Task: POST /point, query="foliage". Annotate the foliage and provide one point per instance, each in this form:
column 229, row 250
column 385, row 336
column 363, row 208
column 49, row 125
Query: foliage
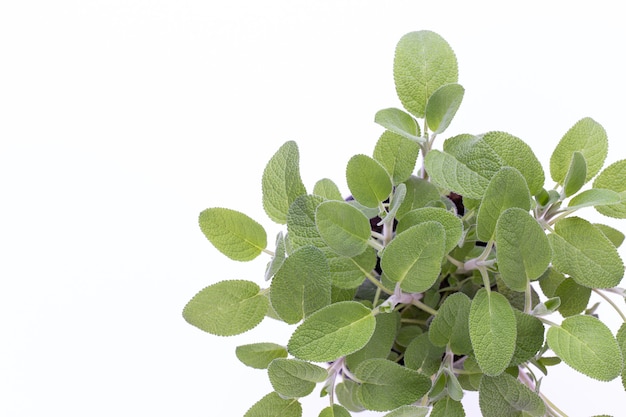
column 424, row 283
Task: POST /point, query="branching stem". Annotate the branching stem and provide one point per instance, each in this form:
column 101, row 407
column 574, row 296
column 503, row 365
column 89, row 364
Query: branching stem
column 608, row 300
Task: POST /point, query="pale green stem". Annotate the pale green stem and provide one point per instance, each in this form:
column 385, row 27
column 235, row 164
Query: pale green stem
column 424, row 307
column 485, row 275
column 269, row 252
column 377, row 296
column 375, row 244
column 608, row 300
column 528, row 299
column 551, row 405
column 378, row 284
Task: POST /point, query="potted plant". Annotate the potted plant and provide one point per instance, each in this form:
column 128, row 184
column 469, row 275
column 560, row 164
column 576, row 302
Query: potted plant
column 446, row 270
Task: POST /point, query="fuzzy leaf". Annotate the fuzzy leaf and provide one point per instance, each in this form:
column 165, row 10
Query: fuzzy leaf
column 450, row 325
column 328, row 189
column 293, row 378
column 409, row 411
column 447, row 407
column 612, row 178
column 506, row 189
column 367, row 180
column 587, row 137
column 227, row 308
column 279, row 257
column 334, row 331
column 451, row 174
column 583, row 252
column 621, row 340
column 423, row 62
column 419, row 193
column 493, row 331
column 399, row 122
column 272, row 405
column 343, row 227
column 615, row 236
column 301, row 227
column 523, row 251
column 233, row 233
column 587, row 345
column 574, row 297
column 530, row 337
column 346, row 393
column 442, row 105
column 397, row 155
column 576, row 174
column 259, row 355
column 503, row 395
column 386, row 385
column 594, row 197
column 451, row 223
column 381, row 342
column 421, row 355
column 334, row 411
column 413, row 258
column 302, row 286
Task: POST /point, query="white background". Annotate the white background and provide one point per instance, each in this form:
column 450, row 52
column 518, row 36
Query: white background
column 121, row 120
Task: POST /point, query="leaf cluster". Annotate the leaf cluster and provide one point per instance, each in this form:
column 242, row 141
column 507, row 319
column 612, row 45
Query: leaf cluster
column 441, row 273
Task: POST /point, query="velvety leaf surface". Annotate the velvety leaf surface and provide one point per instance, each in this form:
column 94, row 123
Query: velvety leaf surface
column 447, row 407
column 530, row 337
column 381, row 342
column 594, row 197
column 442, row 105
column 272, row 405
column 504, row 395
column 421, row 355
column 612, row 178
column 327, row 189
column 293, row 378
column 399, row 122
column 409, row 411
column 397, row 155
column 576, row 174
column 451, row 223
column 335, row 411
column 367, row 180
column 259, row 355
column 454, row 175
column 343, row 227
column 233, row 233
column 451, row 324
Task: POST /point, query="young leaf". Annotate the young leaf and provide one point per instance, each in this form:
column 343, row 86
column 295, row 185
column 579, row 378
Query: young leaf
column 594, row 197
column 346, row 393
column 273, row 405
column 302, row 286
column 419, row 193
column 451, row 223
column 301, row 227
column 421, row 355
column 503, row 395
column 279, row 257
column 453, row 175
column 293, row 378
column 615, row 236
column 380, row 343
column 227, row 308
column 450, row 325
column 367, row 180
column 442, row 105
column 493, row 331
column 583, row 252
column 386, row 385
column 576, row 174
column 400, row 123
column 409, row 411
column 587, row 345
column 348, row 272
column 413, row 258
column 423, row 62
column 399, row 194
column 281, row 182
column 334, row 331
column 343, row 227
column 587, row 137
column 530, row 337
column 259, row 355
column 507, row 188
column 523, row 250
column 397, row 155
column 328, row 189
column 447, row 407
column 233, row 233
column 612, row 178
column 574, row 297
column 334, row 411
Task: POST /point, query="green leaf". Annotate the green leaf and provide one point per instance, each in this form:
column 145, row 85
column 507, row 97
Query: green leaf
column 327, row 189
column 421, row 355
column 413, row 258
column 453, row 175
column 574, row 297
column 587, row 345
column 301, row 227
column 385, row 385
column 419, row 193
column 279, row 257
column 550, row 281
column 587, row 137
column 621, row 340
column 504, row 395
column 381, row 342
column 227, row 308
column 395, row 203
column 530, row 337
column 450, row 325
column 523, row 251
column 447, row 407
column 272, row 405
column 576, row 174
column 334, row 411
column 343, row 227
column 506, row 189
column 409, row 411
column 397, row 155
column 612, row 178
column 348, row 272
column 451, row 223
column 281, row 182
column 259, row 355
column 346, row 393
column 400, row 123
column 334, row 331
column 423, row 62
column 615, row 236
column 493, row 331
column 442, row 105
column 233, row 233
column 367, row 180
column 302, row 286
column 594, row 197
column 293, row 378
column 583, row 252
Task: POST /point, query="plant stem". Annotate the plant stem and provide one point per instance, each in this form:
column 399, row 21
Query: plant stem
column 528, row 299
column 608, row 300
column 424, row 307
column 269, row 252
column 378, row 284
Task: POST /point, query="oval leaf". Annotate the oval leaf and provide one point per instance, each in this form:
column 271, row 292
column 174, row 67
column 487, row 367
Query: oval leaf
column 503, row 395
column 327, row 189
column 343, row 227
column 399, row 122
column 442, row 105
column 576, row 174
column 493, row 331
column 293, row 378
column 233, row 233
column 453, row 175
column 367, row 180
column 451, row 223
column 397, row 155
column 227, row 308
column 273, row 405
column 450, row 325
column 612, row 178
column 594, row 197
column 259, row 355
column 334, row 331
column 587, row 345
column 334, row 411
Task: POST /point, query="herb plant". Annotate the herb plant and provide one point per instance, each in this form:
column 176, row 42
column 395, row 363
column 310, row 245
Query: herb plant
column 425, row 281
